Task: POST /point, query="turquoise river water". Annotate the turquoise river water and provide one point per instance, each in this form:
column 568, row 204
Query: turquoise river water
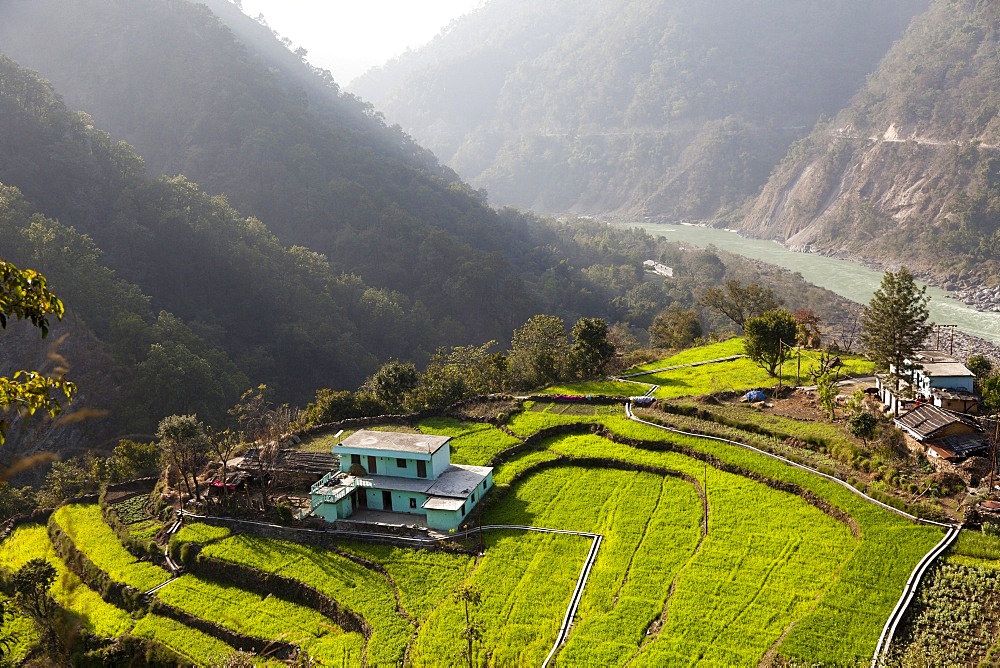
column 848, row 279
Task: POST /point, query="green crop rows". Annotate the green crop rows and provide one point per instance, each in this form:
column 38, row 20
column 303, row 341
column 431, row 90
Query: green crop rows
column 471, row 443
column 526, row 581
column 86, row 528
column 32, row 542
column 195, row 646
column 270, row 617
column 364, row 591
column 766, row 576
column 651, row 526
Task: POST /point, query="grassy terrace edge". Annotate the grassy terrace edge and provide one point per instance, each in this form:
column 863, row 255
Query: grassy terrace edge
column 869, row 586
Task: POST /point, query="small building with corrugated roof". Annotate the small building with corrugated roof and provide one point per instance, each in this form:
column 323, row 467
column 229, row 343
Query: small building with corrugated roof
column 945, row 434
column 400, row 472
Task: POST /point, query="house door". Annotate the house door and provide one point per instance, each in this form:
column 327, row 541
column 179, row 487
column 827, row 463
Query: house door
column 421, row 468
column 371, row 465
column 359, row 499
column 387, row 500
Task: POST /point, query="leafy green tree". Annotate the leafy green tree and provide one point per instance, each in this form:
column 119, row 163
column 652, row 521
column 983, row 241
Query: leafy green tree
column 863, row 425
column 826, row 390
column 539, row 351
column 329, row 406
column 768, row 338
column 460, row 373
column 894, row 325
column 980, row 366
column 133, row 459
column 740, row 302
column 15, row 500
column 392, row 383
column 185, row 446
column 24, row 296
column 30, row 585
column 591, row 350
column 70, row 478
column 675, row 328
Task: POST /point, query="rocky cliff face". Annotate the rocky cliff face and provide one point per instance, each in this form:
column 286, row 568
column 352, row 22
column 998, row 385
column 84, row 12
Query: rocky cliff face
column 910, row 171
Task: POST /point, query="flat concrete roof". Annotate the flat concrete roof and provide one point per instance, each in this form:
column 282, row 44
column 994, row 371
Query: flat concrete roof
column 439, row 503
column 459, row 480
column 394, row 441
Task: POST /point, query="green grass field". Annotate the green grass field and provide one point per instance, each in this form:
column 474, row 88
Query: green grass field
column 197, row 647
column 100, row 618
column 366, row 592
column 471, row 442
column 270, row 618
column 86, row 528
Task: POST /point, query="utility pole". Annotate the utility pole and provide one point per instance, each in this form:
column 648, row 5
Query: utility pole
column 937, row 339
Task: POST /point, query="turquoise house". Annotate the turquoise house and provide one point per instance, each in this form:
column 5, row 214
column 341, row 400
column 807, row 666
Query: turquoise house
column 400, row 473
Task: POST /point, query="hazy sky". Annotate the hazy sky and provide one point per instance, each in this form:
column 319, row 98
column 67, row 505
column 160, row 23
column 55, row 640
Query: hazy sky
column 348, row 37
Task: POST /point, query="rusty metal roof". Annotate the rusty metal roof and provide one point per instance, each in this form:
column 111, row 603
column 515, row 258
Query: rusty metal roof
column 926, row 420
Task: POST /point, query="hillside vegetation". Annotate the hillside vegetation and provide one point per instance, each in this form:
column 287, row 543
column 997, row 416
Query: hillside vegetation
column 910, row 170
column 645, row 107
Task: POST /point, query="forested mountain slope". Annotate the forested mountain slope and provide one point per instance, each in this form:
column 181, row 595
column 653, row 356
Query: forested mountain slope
column 910, row 170
column 666, row 108
column 178, row 302
column 320, row 169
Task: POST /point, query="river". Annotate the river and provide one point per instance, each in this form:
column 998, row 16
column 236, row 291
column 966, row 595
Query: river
column 848, row 279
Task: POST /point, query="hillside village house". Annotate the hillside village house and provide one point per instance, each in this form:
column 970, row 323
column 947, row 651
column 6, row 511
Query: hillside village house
column 942, row 380
column 400, row 473
column 945, row 434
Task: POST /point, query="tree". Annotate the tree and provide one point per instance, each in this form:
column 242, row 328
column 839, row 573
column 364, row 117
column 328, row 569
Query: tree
column 768, row 338
column 472, row 631
column 863, row 425
column 25, row 296
column 675, row 327
column 392, row 383
column 808, row 323
column 894, row 325
column 185, row 446
column 223, row 446
column 980, row 366
column 826, row 390
column 740, row 302
column 133, row 459
column 460, row 373
column 539, row 351
column 30, row 586
column 591, row 350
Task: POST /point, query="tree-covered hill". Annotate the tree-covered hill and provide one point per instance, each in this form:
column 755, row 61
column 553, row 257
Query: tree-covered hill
column 673, row 108
column 910, row 170
column 318, row 167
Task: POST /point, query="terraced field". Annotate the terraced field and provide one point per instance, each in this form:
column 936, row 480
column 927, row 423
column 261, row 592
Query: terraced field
column 712, row 555
column 31, row 541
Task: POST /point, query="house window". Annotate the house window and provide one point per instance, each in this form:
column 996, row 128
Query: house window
column 356, row 459
column 400, row 463
column 413, row 503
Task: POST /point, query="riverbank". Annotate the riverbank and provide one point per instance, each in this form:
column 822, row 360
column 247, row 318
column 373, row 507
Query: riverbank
column 856, row 281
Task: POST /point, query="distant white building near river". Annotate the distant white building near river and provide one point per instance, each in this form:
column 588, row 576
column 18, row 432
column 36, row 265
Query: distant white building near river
column 658, row 268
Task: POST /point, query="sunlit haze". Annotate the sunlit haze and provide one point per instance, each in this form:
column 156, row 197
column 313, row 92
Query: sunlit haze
column 348, row 38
